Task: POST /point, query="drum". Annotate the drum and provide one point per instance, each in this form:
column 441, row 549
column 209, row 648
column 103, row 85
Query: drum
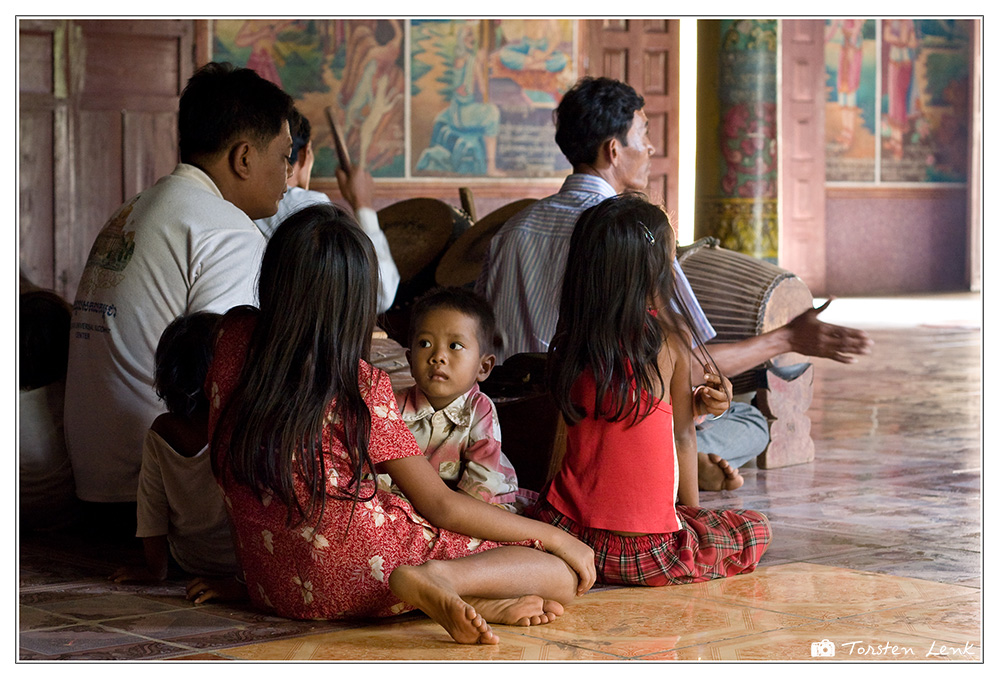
column 534, row 432
column 743, row 296
column 463, row 261
column 390, row 356
column 418, row 230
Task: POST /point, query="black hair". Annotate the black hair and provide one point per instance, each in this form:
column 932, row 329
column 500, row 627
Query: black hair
column 182, row 358
column 466, row 301
column 317, row 289
column 301, row 131
column 44, row 320
column 592, row 112
column 221, row 103
column 620, row 260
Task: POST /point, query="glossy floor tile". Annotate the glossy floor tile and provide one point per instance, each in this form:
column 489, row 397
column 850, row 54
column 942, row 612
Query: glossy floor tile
column 877, row 552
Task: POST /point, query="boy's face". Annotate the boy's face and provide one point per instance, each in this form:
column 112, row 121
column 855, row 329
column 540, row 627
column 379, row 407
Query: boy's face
column 445, row 359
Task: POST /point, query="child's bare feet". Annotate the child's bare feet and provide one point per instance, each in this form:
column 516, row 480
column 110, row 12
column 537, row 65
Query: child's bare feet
column 529, row 610
column 435, row 597
column 716, row 474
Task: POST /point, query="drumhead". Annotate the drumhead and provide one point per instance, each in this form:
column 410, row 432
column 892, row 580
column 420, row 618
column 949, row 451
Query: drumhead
column 462, row 262
column 418, row 230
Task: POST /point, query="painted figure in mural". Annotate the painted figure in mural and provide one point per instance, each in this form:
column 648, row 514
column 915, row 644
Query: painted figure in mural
column 901, row 38
column 535, row 47
column 372, row 86
column 848, row 74
column 261, row 37
column 464, row 137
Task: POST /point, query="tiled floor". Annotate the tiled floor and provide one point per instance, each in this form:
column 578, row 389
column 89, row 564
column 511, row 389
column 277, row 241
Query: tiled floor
column 877, row 548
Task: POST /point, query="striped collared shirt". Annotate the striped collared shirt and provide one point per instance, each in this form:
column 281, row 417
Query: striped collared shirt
column 523, row 272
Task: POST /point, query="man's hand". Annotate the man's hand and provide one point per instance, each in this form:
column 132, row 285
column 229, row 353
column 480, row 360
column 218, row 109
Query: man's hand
column 816, row 338
column 357, row 187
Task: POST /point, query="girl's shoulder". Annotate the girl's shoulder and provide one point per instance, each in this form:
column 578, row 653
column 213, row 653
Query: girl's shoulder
column 239, row 321
column 184, row 435
column 675, row 349
column 373, row 380
column 242, row 315
column 680, row 338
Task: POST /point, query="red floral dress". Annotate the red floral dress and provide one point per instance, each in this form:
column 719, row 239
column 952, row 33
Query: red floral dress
column 321, row 572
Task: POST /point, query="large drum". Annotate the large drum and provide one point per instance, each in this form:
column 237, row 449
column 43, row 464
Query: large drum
column 743, row 296
column 418, row 230
column 534, row 432
column 463, row 261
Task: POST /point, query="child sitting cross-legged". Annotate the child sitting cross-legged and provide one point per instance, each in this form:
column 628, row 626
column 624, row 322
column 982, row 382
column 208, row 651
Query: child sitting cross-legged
column 180, row 511
column 620, row 372
column 452, row 342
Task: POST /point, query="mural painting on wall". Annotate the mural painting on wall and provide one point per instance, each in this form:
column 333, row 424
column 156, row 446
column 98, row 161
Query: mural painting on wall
column 925, row 100
column 354, row 66
column 850, row 105
column 920, row 118
column 482, row 96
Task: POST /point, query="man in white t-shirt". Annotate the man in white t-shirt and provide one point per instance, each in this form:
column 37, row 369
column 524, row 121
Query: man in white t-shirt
column 356, row 187
column 186, row 244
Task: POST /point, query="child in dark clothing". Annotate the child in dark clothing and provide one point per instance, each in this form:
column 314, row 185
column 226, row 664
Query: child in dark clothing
column 180, row 509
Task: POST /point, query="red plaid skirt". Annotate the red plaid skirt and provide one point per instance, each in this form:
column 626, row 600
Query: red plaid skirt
column 710, row 544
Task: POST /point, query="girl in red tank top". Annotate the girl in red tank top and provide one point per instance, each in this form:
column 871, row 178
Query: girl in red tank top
column 620, row 372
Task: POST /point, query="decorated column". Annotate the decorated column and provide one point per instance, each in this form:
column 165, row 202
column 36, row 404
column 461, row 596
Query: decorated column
column 737, row 154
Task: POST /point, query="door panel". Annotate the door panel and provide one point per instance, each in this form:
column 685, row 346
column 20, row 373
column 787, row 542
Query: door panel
column 643, row 53
column 802, row 192
column 98, row 117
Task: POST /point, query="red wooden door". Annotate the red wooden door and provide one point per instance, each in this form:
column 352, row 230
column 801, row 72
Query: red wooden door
column 644, row 53
column 98, row 120
column 42, row 145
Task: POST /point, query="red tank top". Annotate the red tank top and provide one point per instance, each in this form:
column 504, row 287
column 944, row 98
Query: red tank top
column 618, row 476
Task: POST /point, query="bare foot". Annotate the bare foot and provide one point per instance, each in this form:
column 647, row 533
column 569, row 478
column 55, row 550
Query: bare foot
column 529, row 610
column 716, row 474
column 435, row 597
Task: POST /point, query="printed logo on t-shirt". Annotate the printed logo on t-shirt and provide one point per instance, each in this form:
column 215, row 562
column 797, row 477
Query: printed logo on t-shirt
column 111, row 253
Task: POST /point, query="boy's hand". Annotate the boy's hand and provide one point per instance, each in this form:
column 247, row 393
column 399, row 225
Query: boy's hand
column 203, row 589
column 713, row 397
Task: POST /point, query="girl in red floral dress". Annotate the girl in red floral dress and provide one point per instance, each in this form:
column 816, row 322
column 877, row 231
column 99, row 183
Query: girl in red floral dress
column 301, row 423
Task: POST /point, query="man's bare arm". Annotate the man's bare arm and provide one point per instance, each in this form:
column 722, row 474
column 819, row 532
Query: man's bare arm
column 804, row 334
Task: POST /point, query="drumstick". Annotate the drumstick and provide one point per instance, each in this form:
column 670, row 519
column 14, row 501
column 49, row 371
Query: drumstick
column 338, row 141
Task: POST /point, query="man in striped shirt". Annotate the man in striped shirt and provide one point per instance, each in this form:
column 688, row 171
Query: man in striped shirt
column 603, row 132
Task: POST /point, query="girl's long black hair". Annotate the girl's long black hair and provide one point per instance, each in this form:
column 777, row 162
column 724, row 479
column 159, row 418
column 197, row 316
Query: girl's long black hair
column 317, row 295
column 619, row 262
